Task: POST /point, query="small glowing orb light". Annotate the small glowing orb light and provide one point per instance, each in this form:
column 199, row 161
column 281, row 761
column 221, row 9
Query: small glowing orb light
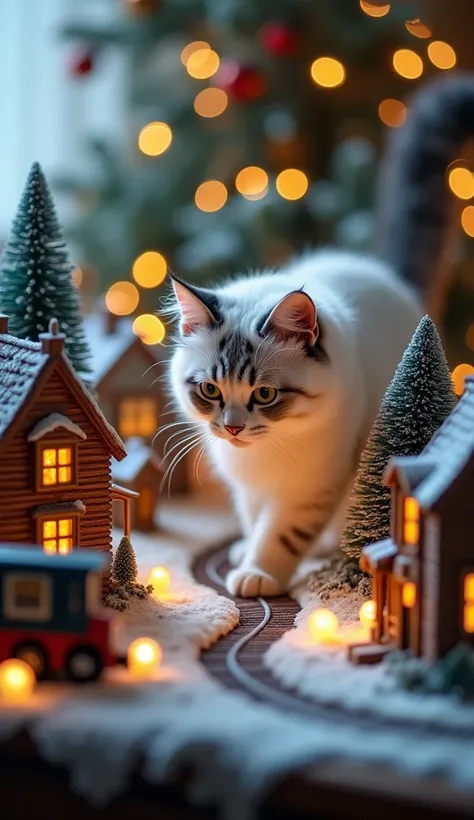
column 149, row 269
column 292, row 183
column 328, row 72
column 392, row 113
column 149, row 328
column 442, row 55
column 323, row 625
column 122, row 298
column 367, row 614
column 461, row 182
column 374, row 9
column 17, row 680
column 155, row 138
column 196, row 45
column 160, row 579
column 202, row 64
column 459, row 375
column 467, row 221
column 210, row 102
column 408, row 63
column 211, row 196
column 144, row 657
column 418, row 29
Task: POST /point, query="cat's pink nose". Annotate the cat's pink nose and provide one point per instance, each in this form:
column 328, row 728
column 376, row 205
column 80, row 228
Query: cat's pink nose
column 234, row 431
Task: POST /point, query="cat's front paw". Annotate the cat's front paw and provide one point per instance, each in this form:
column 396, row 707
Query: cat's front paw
column 237, row 551
column 251, row 582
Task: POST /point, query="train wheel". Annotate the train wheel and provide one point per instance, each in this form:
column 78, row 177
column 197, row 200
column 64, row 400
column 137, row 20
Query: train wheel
column 34, row 655
column 83, row 664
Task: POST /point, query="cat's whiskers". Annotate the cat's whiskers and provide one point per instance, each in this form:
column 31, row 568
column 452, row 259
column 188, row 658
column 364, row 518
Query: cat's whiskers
column 187, row 448
column 180, row 442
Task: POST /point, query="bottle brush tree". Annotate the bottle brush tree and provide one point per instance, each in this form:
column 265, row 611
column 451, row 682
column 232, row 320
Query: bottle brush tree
column 124, row 567
column 35, row 276
column 416, row 403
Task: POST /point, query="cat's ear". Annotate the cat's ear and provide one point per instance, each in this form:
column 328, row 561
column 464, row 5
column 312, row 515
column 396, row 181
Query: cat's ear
column 294, row 315
column 198, row 307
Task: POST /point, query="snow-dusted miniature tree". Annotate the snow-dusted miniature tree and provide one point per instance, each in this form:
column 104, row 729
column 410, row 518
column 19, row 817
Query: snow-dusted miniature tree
column 35, row 277
column 416, row 403
column 124, row 567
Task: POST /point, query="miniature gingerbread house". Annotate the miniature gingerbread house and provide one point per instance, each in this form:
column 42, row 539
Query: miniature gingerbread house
column 55, row 450
column 128, row 383
column 423, row 576
column 140, row 472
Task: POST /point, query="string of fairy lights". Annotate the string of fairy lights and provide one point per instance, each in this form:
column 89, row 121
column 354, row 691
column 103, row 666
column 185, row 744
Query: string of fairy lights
column 202, row 63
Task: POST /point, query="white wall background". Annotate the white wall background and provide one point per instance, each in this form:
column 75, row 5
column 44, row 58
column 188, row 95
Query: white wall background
column 44, row 112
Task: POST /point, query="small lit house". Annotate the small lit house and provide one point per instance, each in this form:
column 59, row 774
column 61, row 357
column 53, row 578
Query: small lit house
column 423, row 576
column 55, row 450
column 128, row 382
column 140, row 472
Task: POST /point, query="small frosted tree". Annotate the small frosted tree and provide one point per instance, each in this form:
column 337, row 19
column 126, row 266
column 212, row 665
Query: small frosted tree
column 35, row 277
column 124, row 567
column 416, row 403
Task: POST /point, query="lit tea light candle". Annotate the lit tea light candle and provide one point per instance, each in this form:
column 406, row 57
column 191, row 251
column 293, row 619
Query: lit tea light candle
column 17, row 680
column 323, row 625
column 144, row 657
column 160, row 579
column 367, row 614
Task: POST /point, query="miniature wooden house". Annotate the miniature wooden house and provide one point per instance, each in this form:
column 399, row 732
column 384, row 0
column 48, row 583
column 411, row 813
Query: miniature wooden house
column 140, row 472
column 55, row 450
column 423, row 576
column 128, row 383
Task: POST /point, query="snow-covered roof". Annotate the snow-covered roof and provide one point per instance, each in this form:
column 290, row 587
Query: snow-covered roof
column 106, row 348
column 61, row 507
column 138, row 454
column 50, row 423
column 21, row 362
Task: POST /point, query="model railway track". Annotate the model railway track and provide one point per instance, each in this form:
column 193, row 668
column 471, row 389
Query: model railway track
column 236, row 660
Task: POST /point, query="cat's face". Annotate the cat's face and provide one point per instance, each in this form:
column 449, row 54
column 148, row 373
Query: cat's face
column 246, row 376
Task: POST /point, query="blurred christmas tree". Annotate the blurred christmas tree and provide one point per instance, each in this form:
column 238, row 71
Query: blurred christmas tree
column 254, row 132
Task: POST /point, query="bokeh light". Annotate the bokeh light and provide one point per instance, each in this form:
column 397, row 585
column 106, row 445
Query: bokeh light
column 144, row 656
column 77, row 277
column 202, row 64
column 196, row 45
column 467, row 220
column 155, row 138
column 408, row 63
column 149, row 328
column 458, row 376
column 122, row 298
column 461, row 182
column 470, row 337
column 392, row 112
column 374, row 10
column 252, row 182
column 149, row 269
column 17, row 680
column 211, row 196
column 160, row 579
column 442, row 55
column 328, row 72
column 292, row 184
column 323, row 625
column 210, row 102
column 418, row 29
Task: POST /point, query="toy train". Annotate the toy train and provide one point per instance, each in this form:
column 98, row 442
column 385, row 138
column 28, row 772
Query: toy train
column 51, row 615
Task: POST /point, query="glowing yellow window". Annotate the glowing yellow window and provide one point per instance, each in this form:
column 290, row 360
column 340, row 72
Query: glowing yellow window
column 409, row 594
column 56, row 466
column 468, row 619
column 58, row 535
column 138, row 417
column 411, row 522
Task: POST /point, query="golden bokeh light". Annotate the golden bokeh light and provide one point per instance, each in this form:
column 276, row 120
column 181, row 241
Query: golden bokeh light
column 368, row 614
column 467, row 220
column 144, row 656
column 149, row 328
column 328, row 72
column 418, row 29
column 323, row 625
column 458, row 376
column 292, row 184
column 160, row 579
column 252, row 182
column 191, row 48
column 17, row 680
column 470, row 337
column 122, row 298
column 155, row 138
column 408, row 63
column 442, row 55
column 211, row 102
column 77, row 277
column 202, row 64
column 149, row 269
column 461, row 182
column 374, row 10
column 211, row 196
column 392, row 112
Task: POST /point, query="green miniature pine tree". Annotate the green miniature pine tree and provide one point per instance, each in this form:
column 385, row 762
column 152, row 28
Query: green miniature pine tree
column 35, row 276
column 416, row 403
column 124, row 567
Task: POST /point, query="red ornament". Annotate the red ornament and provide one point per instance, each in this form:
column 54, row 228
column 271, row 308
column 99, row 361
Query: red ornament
column 82, row 62
column 278, row 39
column 240, row 82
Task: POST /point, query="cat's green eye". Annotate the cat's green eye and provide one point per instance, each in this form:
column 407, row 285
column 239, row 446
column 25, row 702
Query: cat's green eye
column 209, row 390
column 264, row 395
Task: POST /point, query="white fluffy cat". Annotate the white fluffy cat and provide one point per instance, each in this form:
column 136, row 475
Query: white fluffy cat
column 283, row 373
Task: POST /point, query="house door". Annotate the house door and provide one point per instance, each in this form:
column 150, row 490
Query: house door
column 145, row 509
